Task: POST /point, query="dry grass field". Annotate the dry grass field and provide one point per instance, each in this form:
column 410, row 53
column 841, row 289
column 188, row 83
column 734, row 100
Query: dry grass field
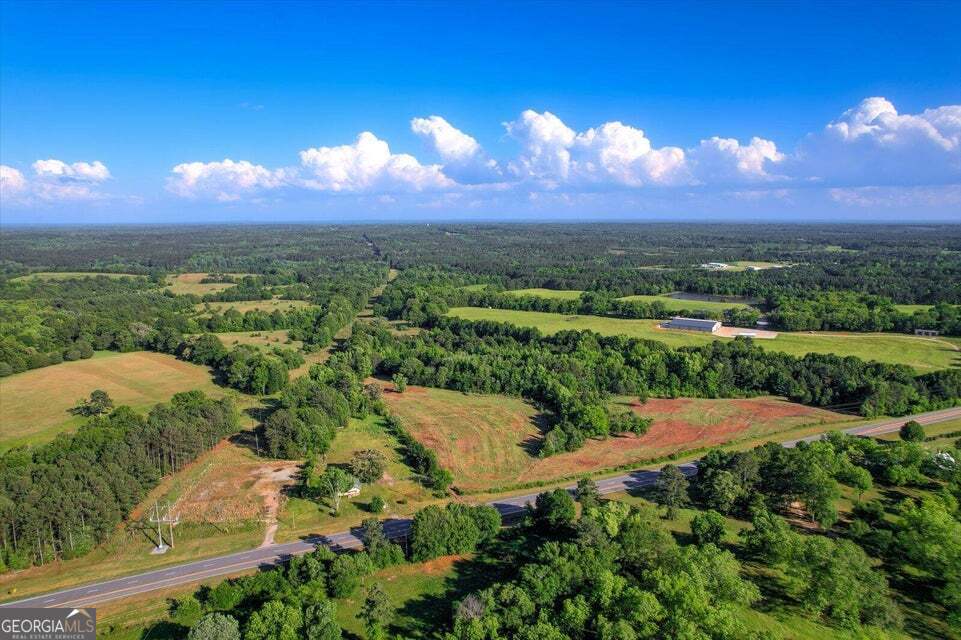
column 490, row 441
column 252, row 305
column 268, row 339
column 34, row 405
column 191, row 283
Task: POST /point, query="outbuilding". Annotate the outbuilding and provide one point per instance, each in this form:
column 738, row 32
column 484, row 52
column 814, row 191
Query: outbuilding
column 692, row 324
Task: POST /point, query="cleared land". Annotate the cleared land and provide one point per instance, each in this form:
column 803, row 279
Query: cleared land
column 253, row 305
column 35, row 405
column 672, row 304
column 191, row 283
column 70, row 275
column 276, row 338
column 229, row 485
column 490, row 441
column 924, row 354
column 911, row 308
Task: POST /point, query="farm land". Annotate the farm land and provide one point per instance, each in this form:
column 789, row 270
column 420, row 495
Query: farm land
column 36, row 404
column 490, row 442
column 924, row 354
column 191, row 283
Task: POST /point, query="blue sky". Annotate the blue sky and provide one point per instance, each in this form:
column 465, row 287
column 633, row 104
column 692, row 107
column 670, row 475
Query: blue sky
column 412, row 111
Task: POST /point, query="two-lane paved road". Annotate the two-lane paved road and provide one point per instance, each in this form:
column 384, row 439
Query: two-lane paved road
column 509, row 507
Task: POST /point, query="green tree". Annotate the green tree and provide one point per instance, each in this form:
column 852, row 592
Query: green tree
column 215, row 626
column 376, row 613
column 400, row 382
column 333, row 483
column 670, row 490
column 376, row 505
column 720, row 490
column 708, row 528
column 554, row 509
column 368, row 465
column 912, row 431
column 275, row 621
column 587, row 493
column 320, row 622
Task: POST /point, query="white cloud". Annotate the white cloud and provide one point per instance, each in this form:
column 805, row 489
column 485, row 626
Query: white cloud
column 78, row 171
column 872, row 144
column 545, row 142
column 369, row 166
column 452, row 144
column 12, row 181
column 464, row 159
column 224, row 181
column 619, row 154
column 725, row 160
column 53, row 181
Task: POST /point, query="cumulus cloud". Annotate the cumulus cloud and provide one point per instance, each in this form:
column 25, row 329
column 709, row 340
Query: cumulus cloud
column 464, row 159
column 77, row 172
column 873, row 144
column 225, row 181
column 52, row 181
column 869, row 145
column 615, row 154
column 725, row 161
column 368, row 165
column 619, row 154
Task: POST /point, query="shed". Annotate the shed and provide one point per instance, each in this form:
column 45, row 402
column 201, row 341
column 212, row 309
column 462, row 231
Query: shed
column 693, row 324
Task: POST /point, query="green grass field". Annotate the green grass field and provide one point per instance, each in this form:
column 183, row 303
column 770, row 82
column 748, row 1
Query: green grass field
column 191, row 283
column 35, row 404
column 924, row 354
column 911, row 308
column 672, row 304
column 253, row 305
column 70, row 275
column 677, row 304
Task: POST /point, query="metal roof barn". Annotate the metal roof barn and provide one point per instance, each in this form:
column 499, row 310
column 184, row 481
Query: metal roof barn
column 693, row 324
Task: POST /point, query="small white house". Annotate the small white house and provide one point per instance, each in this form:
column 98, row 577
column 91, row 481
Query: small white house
column 353, row 492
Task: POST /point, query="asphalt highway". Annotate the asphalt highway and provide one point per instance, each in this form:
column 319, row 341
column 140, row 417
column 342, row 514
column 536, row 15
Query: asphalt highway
column 509, row 507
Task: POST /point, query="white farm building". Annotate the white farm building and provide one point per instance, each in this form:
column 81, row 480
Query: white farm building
column 693, row 324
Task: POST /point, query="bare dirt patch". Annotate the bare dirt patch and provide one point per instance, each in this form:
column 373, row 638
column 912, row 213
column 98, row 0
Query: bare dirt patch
column 229, row 484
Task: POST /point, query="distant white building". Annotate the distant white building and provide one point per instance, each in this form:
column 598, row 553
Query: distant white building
column 714, row 266
column 928, row 333
column 353, row 492
column 692, row 324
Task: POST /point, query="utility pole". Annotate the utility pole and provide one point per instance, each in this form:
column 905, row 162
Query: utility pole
column 165, row 519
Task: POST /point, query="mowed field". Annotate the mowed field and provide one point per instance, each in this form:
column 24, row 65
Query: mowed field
column 490, row 441
column 672, row 304
column 924, row 354
column 34, row 405
column 191, row 283
column 253, row 305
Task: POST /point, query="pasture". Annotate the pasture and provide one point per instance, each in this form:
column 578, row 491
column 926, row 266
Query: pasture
column 263, row 339
column 274, row 304
column 491, row 441
column 185, row 283
column 671, row 303
column 36, row 404
column 924, row 354
column 71, row 275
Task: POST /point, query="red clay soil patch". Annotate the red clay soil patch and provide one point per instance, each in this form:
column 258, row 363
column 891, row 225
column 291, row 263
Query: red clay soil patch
column 489, row 441
column 683, row 424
